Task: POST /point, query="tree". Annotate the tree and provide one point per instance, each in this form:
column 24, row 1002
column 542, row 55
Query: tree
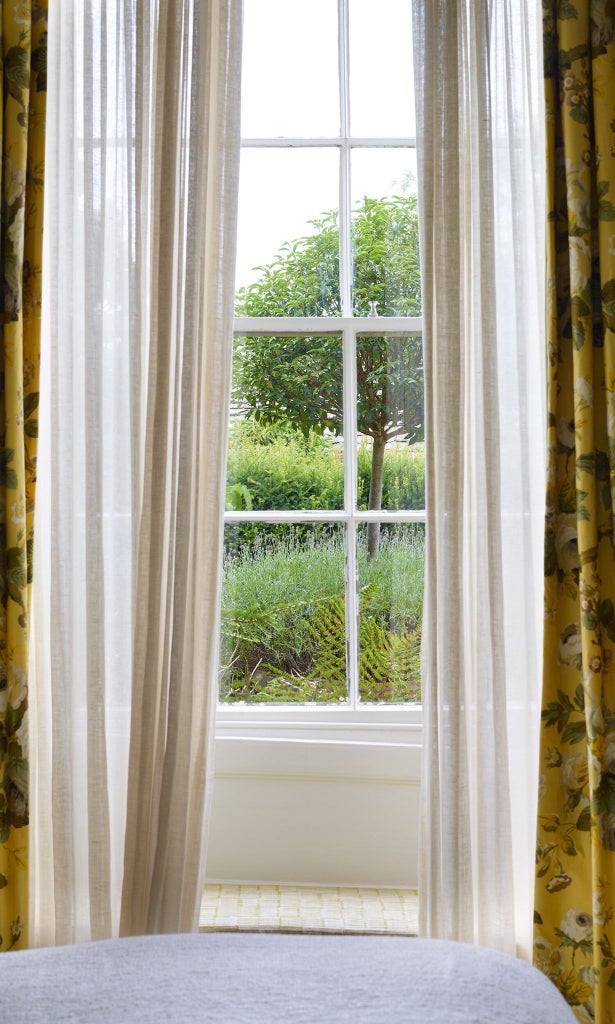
column 298, row 380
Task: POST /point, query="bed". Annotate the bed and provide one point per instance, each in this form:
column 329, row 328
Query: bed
column 239, row 978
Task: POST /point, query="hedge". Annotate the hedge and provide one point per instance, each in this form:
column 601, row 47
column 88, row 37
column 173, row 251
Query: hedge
column 281, row 470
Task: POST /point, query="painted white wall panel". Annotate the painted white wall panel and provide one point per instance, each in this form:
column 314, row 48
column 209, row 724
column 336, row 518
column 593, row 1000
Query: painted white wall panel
column 314, row 812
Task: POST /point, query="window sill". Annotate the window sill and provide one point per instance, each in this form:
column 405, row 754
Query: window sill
column 394, row 724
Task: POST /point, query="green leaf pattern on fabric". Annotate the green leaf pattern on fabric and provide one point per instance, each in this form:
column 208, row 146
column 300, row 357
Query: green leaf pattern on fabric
column 23, row 50
column 575, row 855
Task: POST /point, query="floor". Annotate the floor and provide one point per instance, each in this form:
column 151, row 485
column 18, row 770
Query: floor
column 300, row 908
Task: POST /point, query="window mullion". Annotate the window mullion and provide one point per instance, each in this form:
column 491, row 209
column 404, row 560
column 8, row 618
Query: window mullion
column 345, row 241
column 350, row 505
column 349, row 364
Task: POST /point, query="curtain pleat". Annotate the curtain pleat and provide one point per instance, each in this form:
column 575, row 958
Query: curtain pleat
column 477, row 75
column 193, row 226
column 83, row 598
column 22, row 128
column 144, row 145
column 575, row 858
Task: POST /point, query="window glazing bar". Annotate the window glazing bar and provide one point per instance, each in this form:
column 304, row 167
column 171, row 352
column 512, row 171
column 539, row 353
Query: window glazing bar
column 350, row 504
column 358, row 142
column 345, row 200
column 327, row 516
column 292, row 325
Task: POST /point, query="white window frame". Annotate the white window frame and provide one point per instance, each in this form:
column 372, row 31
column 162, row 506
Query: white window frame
column 397, row 723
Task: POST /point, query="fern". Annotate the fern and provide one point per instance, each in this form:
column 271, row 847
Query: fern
column 389, row 663
column 327, row 629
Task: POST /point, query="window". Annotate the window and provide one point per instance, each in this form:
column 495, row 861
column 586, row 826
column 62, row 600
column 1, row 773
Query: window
column 324, row 528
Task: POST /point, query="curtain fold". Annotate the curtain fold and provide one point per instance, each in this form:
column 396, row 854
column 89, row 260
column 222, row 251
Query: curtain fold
column 23, row 39
column 191, row 225
column 142, row 170
column 575, row 857
column 479, row 123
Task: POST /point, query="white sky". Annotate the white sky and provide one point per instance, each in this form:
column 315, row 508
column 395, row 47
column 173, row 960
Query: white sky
column 290, row 88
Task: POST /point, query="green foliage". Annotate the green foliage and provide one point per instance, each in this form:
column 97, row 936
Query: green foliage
column 403, row 478
column 283, row 470
column 389, row 663
column 298, row 380
column 386, row 256
column 270, row 591
column 303, row 278
column 274, row 467
column 283, row 618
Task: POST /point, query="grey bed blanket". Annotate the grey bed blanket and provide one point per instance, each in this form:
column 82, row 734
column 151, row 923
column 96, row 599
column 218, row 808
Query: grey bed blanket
column 235, row 978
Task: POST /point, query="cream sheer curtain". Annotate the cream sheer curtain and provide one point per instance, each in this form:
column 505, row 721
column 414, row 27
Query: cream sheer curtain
column 142, row 166
column 481, row 173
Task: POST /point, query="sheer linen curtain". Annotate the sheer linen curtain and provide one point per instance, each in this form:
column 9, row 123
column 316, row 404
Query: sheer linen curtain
column 142, row 166
column 481, row 173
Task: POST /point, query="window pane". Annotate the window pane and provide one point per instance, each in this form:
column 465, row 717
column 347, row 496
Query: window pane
column 390, row 406
column 381, row 74
column 290, row 79
column 285, row 441
column 283, row 614
column 385, row 232
column 287, row 240
column 390, row 612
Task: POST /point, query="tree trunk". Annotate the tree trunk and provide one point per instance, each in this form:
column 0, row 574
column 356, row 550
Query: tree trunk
column 375, row 494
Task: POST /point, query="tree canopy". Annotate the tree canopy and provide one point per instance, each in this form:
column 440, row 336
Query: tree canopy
column 298, row 380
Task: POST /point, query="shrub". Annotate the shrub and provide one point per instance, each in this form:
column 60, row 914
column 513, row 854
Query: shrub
column 403, row 477
column 283, row 628
column 285, row 470
column 278, row 468
column 269, row 594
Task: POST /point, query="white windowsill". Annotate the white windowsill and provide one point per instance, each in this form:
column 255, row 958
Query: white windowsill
column 395, row 724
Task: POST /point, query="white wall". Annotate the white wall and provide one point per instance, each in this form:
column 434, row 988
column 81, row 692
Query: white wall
column 315, row 811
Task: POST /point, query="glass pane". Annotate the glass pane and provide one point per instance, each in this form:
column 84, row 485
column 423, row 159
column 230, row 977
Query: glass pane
column 390, row 407
column 287, row 240
column 381, row 74
column 391, row 584
column 285, row 442
column 385, row 232
column 283, row 614
column 289, row 78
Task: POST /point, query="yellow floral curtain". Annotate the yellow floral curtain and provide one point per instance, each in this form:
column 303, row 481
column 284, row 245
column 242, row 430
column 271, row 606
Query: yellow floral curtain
column 575, row 887
column 23, row 28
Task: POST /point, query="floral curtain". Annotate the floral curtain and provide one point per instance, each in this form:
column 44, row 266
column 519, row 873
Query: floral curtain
column 23, row 27
column 575, row 888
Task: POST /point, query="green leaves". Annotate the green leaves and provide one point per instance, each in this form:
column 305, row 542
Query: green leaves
column 558, row 713
column 574, row 732
column 30, row 406
column 8, row 476
column 16, row 566
column 299, row 380
column 608, row 304
column 283, row 619
column 17, row 73
column 579, row 114
column 39, row 64
column 606, row 210
column 238, row 498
